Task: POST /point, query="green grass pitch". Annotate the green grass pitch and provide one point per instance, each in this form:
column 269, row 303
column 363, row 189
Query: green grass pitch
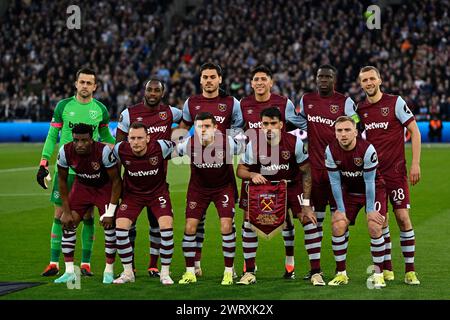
column 26, row 215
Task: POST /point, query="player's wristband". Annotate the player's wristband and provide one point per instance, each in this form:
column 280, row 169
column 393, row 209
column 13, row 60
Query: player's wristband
column 44, row 163
column 306, row 202
column 110, row 210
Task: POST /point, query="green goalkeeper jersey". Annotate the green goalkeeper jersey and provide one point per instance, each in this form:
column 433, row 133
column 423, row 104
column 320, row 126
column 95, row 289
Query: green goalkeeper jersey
column 69, row 112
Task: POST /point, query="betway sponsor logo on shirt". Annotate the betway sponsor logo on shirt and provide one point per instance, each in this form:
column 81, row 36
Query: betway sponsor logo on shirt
column 352, row 174
column 319, row 119
column 219, row 119
column 89, row 176
column 274, row 167
column 157, row 129
column 208, row 165
column 254, row 125
column 142, row 173
column 377, row 125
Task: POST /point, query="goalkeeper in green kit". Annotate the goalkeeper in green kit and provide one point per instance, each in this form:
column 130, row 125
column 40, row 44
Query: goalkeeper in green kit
column 81, row 108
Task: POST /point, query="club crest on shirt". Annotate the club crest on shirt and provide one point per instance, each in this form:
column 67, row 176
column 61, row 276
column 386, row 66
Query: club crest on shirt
column 127, row 162
column 220, row 154
column 123, row 207
column 310, row 106
column 385, row 111
column 139, row 119
column 95, row 165
column 267, row 202
column 334, row 108
column 365, row 115
column 222, row 107
column 358, row 161
column 154, row 161
column 285, row 154
column 249, row 111
column 93, row 114
column 163, row 115
column 192, row 205
column 197, row 107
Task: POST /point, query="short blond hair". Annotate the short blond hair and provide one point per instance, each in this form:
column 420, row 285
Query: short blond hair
column 344, row 119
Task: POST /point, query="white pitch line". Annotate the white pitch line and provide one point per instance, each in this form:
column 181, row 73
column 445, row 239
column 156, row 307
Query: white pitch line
column 24, row 194
column 21, row 169
column 17, row 169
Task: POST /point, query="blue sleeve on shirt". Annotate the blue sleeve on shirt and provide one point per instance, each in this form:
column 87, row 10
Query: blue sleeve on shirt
column 301, row 154
column 336, row 188
column 124, row 123
column 108, row 159
column 237, row 120
column 167, row 147
column 62, row 161
column 186, row 114
column 177, row 114
column 116, row 150
column 182, row 146
column 247, row 156
column 292, row 116
column 369, row 180
column 402, row 111
column 302, row 116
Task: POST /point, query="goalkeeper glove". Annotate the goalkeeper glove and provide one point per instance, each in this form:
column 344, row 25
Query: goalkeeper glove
column 43, row 175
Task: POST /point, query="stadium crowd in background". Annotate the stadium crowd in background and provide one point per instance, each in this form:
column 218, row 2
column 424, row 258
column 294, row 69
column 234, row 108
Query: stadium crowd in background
column 39, row 53
column 292, row 37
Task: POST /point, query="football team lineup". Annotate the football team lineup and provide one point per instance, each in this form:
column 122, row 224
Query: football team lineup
column 348, row 178
column 277, row 180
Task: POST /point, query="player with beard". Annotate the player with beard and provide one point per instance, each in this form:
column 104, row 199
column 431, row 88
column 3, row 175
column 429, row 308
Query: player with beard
column 251, row 108
column 319, row 111
column 158, row 118
column 81, row 108
column 226, row 111
column 385, row 118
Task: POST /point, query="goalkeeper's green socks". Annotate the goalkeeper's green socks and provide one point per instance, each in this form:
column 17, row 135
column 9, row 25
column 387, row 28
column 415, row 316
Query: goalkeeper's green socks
column 87, row 239
column 55, row 241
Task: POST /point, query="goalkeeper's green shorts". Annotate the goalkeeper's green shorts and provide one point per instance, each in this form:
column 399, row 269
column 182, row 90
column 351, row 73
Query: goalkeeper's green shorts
column 54, row 197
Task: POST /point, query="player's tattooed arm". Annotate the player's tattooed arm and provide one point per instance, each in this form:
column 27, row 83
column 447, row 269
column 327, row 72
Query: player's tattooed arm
column 305, row 169
column 307, row 211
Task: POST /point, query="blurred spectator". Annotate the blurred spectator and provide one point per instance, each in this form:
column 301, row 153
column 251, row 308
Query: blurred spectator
column 435, row 127
column 292, row 37
column 117, row 39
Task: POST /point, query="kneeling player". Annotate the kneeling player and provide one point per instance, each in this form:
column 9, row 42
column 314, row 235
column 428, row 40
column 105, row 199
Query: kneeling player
column 352, row 168
column 96, row 174
column 144, row 185
column 212, row 180
column 275, row 155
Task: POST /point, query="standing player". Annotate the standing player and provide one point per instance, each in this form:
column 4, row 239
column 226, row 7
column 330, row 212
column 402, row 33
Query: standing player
column 277, row 155
column 81, row 108
column 96, row 175
column 356, row 183
column 384, row 117
column 212, row 180
column 226, row 111
column 251, row 108
column 158, row 118
column 144, row 185
column 319, row 111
